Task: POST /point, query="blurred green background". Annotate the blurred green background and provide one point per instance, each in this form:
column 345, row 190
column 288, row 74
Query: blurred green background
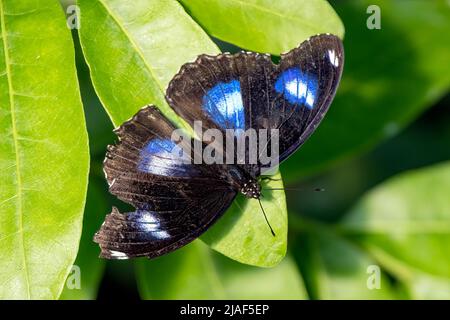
column 391, row 115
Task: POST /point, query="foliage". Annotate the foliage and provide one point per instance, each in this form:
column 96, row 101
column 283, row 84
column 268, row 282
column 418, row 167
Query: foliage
column 43, row 151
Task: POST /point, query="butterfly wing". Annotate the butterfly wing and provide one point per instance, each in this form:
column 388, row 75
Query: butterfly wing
column 303, row 87
column 220, row 91
column 176, row 200
column 146, row 233
column 246, row 90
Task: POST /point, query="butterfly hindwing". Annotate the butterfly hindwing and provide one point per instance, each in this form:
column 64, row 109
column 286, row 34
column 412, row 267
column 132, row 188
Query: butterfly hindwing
column 147, row 233
column 175, row 200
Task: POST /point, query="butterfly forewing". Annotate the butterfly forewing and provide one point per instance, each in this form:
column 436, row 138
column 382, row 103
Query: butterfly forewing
column 305, row 84
column 247, row 91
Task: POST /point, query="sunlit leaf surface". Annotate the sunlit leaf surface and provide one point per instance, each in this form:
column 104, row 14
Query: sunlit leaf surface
column 265, row 25
column 405, row 223
column 44, row 157
column 195, row 272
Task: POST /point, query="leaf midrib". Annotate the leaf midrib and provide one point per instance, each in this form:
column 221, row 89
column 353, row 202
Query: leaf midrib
column 19, row 209
column 134, row 44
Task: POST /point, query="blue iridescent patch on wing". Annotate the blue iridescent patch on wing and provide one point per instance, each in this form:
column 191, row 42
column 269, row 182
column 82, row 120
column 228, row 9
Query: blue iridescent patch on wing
column 150, row 223
column 160, row 147
column 297, row 87
column 164, row 157
column 223, row 103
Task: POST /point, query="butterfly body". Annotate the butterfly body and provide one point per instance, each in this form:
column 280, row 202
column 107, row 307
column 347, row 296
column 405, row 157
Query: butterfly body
column 273, row 108
column 251, row 189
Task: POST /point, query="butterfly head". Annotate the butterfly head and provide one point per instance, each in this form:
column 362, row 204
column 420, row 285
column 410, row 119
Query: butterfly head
column 251, row 189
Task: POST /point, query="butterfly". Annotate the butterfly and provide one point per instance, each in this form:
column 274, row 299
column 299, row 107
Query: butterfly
column 176, row 201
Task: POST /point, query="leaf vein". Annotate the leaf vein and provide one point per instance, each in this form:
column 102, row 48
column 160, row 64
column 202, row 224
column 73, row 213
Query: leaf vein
column 19, row 209
column 135, row 45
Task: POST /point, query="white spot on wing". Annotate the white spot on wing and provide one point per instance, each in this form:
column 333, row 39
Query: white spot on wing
column 334, row 59
column 310, row 99
column 293, row 85
column 150, row 223
column 118, row 254
column 112, row 182
column 299, row 89
column 161, row 234
column 232, row 101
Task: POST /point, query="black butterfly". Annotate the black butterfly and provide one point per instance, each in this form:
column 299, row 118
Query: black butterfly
column 177, row 201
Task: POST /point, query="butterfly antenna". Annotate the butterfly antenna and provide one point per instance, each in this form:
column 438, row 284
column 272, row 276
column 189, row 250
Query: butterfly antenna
column 295, row 189
column 265, row 217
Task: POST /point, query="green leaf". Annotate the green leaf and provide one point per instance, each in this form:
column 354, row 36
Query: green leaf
column 405, row 223
column 418, row 284
column 390, row 76
column 195, row 272
column 90, row 266
column 133, row 50
column 334, row 268
column 243, row 234
column 265, row 25
column 44, row 159
column 143, row 44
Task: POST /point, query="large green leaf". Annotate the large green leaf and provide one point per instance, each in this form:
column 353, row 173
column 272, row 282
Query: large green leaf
column 143, row 44
column 98, row 200
column 334, row 268
column 265, row 25
column 195, row 272
column 243, row 234
column 90, row 267
column 405, row 223
column 390, row 76
column 44, row 157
